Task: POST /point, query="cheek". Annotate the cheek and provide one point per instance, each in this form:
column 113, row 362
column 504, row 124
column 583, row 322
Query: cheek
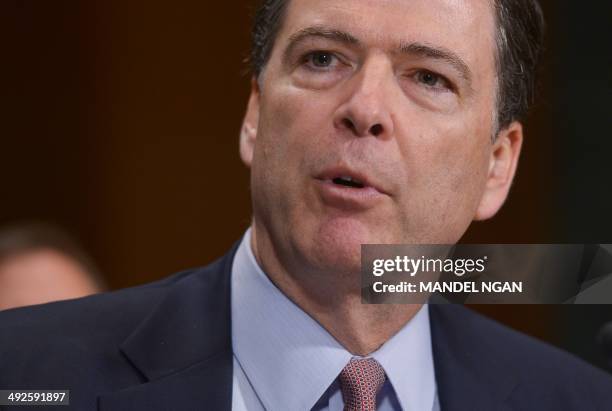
column 290, row 130
column 446, row 166
column 293, row 127
column 448, row 150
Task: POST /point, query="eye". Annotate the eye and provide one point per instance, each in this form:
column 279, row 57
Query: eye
column 320, row 59
column 432, row 80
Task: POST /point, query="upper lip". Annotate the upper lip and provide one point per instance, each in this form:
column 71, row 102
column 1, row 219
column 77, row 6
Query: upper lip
column 343, row 171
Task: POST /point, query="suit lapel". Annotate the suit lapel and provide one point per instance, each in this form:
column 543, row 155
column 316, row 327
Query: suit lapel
column 469, row 375
column 183, row 349
column 203, row 386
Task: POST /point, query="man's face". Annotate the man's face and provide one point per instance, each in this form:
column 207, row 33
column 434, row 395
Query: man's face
column 398, row 96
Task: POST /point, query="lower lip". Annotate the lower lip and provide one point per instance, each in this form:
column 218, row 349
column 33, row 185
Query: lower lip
column 344, row 197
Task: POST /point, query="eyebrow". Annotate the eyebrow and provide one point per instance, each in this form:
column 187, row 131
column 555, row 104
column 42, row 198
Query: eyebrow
column 438, row 53
column 414, row 48
column 322, row 32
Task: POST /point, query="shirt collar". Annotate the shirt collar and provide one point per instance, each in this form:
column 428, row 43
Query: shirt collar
column 290, row 360
column 407, row 359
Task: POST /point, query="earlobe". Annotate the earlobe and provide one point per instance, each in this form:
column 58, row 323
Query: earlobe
column 248, row 131
column 502, row 167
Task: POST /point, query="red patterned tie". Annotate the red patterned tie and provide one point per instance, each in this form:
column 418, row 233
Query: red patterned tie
column 360, row 381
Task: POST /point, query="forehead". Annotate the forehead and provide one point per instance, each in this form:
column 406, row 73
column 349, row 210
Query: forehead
column 465, row 26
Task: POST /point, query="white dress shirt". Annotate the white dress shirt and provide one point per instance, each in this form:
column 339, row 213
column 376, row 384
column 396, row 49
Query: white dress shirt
column 285, row 360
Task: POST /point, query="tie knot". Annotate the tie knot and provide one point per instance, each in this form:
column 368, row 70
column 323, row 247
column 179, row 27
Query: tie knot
column 360, row 382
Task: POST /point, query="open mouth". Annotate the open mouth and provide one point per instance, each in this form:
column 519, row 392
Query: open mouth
column 343, row 188
column 348, row 181
column 344, row 181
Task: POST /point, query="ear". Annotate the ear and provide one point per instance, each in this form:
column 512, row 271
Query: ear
column 502, row 167
column 248, row 132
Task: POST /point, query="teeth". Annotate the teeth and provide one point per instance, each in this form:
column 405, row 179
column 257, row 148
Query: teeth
column 348, row 181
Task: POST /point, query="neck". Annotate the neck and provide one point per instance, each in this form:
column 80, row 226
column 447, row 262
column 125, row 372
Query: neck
column 334, row 301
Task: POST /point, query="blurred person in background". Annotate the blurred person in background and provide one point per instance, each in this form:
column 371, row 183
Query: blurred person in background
column 40, row 263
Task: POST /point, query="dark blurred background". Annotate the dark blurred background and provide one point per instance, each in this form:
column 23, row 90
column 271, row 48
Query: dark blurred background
column 119, row 122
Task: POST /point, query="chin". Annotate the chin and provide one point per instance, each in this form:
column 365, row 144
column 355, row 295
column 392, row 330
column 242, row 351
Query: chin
column 336, row 245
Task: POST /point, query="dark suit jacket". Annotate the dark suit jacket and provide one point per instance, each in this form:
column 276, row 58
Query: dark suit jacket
column 167, row 346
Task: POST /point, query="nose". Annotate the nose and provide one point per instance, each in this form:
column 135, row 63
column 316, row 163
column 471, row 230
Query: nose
column 366, row 109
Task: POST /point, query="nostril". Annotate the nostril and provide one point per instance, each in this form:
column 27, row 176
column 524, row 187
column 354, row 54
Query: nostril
column 349, row 124
column 376, row 130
